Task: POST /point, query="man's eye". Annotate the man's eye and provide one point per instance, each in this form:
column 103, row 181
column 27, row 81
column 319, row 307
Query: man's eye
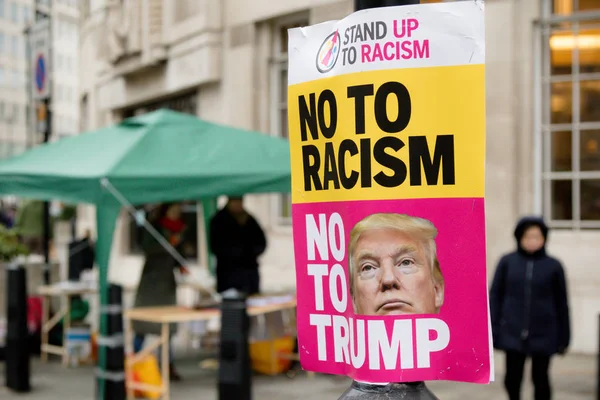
column 407, row 262
column 367, row 268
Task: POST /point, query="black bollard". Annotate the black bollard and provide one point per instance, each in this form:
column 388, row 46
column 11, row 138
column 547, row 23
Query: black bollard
column 405, row 391
column 235, row 376
column 113, row 377
column 364, row 4
column 17, row 364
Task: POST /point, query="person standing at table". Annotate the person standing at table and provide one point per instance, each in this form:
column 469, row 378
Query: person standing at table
column 157, row 286
column 529, row 309
column 29, row 223
column 237, row 240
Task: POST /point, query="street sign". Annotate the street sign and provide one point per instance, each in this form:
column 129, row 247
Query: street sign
column 40, row 59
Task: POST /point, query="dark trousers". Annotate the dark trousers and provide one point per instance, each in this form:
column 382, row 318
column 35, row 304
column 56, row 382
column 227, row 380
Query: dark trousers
column 243, row 280
column 515, row 364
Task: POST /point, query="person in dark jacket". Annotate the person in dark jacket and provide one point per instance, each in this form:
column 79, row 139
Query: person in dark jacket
column 237, row 240
column 529, row 309
column 157, row 285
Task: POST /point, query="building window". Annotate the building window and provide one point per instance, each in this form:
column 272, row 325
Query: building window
column 279, row 106
column 186, row 104
column 189, row 215
column 26, row 14
column 14, row 17
column 570, row 113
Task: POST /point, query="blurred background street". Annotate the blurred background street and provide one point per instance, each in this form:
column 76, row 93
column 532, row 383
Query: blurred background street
column 71, row 68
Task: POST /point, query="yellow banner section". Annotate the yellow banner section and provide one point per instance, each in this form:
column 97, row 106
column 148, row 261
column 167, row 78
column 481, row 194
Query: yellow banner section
column 395, row 134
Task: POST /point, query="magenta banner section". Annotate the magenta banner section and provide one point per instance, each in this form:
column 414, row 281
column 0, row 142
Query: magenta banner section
column 393, row 290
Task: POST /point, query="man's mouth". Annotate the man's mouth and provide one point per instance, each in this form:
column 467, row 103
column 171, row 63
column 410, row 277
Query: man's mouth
column 396, row 306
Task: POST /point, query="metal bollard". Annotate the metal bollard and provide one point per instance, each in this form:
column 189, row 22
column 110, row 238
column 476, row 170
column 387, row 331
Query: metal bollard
column 235, row 375
column 17, row 365
column 405, row 391
column 113, row 377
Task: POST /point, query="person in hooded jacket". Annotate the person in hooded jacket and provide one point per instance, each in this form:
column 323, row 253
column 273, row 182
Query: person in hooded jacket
column 529, row 309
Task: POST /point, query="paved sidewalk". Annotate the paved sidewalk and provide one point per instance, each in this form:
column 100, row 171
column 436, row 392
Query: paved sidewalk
column 573, row 378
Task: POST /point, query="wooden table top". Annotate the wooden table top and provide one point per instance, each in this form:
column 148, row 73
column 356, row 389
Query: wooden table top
column 61, row 288
column 171, row 314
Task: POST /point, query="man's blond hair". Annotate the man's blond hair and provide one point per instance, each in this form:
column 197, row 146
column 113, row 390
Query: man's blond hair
column 421, row 229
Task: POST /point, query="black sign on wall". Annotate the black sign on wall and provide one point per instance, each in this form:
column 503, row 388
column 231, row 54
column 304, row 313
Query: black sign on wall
column 186, row 103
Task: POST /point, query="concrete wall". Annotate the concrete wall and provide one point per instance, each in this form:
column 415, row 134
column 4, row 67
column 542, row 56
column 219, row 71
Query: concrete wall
column 579, row 253
column 501, row 166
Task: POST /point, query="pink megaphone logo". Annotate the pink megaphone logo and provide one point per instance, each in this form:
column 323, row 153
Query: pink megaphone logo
column 328, row 52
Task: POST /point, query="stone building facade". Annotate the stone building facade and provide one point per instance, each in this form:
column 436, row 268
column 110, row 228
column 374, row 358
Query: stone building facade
column 225, row 61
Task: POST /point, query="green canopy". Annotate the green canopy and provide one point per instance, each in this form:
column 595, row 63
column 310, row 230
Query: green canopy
column 157, row 157
column 160, row 156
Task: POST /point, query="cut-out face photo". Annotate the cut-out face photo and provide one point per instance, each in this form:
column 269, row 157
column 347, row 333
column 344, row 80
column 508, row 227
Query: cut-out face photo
column 393, row 266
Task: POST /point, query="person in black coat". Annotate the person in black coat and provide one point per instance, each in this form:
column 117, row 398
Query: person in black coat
column 237, row 240
column 529, row 309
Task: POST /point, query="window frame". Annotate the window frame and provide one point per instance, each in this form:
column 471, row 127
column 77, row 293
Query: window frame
column 543, row 126
column 278, row 63
column 193, row 208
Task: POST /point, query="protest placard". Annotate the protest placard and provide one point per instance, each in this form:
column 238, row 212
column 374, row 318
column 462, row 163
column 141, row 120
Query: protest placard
column 387, row 135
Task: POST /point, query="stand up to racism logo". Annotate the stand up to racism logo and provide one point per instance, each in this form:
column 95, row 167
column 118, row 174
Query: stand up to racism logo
column 328, row 52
